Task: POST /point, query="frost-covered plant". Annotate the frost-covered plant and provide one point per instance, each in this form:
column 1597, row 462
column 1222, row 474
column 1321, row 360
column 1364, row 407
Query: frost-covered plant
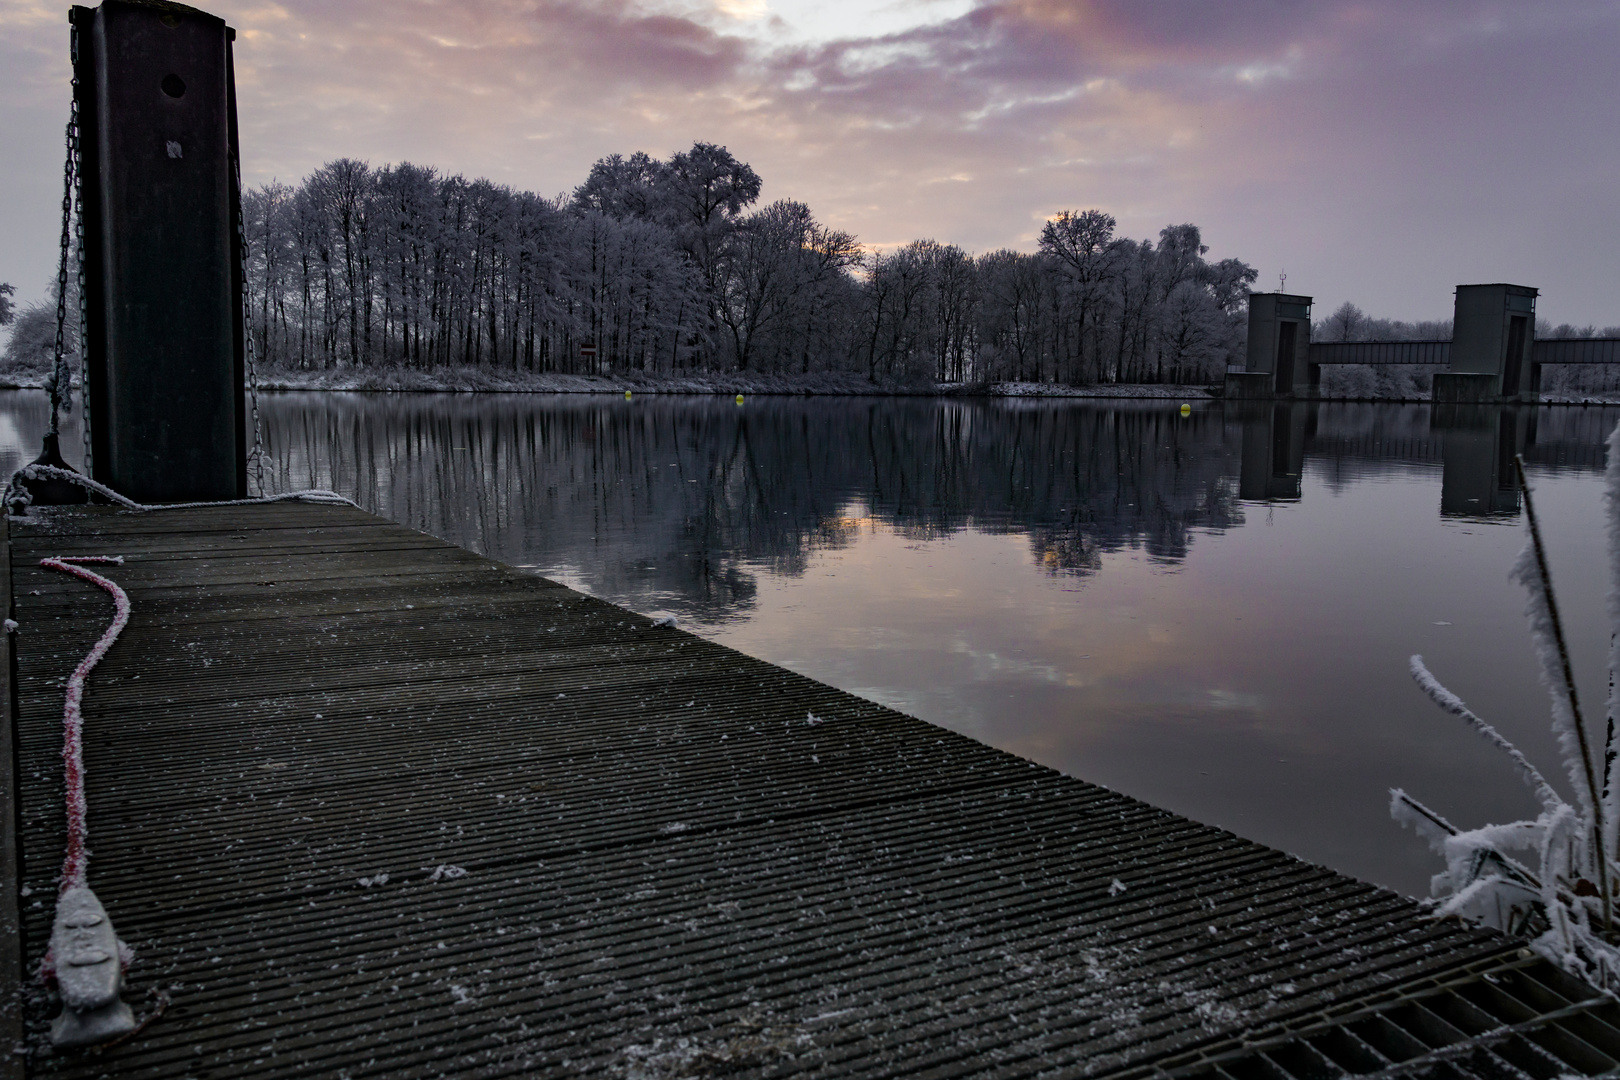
column 1553, row 879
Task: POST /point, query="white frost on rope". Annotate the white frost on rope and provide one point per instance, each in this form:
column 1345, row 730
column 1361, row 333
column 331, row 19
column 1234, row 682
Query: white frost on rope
column 1116, row 887
column 11, row 626
column 667, row 620
column 75, row 863
column 375, row 879
column 444, row 872
column 16, row 496
column 79, row 958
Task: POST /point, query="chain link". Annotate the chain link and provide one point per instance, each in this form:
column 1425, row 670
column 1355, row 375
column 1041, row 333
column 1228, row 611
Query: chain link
column 84, row 299
column 59, row 372
column 256, row 455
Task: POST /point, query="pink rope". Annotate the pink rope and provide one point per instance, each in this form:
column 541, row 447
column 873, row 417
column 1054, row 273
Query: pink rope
column 76, row 863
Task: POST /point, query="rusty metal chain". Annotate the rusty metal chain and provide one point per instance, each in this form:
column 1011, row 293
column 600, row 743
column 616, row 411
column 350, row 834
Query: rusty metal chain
column 84, row 299
column 60, row 384
column 257, row 453
column 59, row 373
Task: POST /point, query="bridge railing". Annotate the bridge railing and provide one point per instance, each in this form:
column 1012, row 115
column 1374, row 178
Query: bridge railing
column 1543, row 351
column 1576, row 351
column 1380, row 352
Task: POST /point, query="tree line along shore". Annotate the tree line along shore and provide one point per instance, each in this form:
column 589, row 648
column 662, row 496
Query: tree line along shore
column 672, row 269
column 669, row 275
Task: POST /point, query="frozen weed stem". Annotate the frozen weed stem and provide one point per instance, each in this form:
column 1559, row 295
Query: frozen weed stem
column 1551, row 879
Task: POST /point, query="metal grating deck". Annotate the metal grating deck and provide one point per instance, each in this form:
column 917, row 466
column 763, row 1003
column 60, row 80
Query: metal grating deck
column 1523, row 1020
column 678, row 861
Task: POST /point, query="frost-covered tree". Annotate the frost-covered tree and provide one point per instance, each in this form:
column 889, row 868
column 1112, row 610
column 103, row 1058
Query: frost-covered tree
column 624, row 188
column 1193, row 335
column 778, row 280
column 1010, row 329
column 1083, row 246
column 31, row 346
column 665, row 265
column 1347, row 323
column 901, row 321
column 30, row 350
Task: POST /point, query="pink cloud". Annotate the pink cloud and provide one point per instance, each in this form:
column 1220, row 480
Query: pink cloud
column 1382, row 151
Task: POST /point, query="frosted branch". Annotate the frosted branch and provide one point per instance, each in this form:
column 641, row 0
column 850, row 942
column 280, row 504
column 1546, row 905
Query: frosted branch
column 1611, row 500
column 1452, row 704
column 1547, row 636
column 1421, row 820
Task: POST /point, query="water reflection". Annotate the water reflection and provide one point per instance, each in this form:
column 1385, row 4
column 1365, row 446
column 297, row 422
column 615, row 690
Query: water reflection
column 682, row 500
column 1273, row 447
column 1212, row 613
column 1480, row 444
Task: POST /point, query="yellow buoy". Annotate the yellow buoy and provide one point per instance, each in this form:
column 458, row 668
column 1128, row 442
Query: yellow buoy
column 739, row 399
column 627, row 395
column 1186, row 410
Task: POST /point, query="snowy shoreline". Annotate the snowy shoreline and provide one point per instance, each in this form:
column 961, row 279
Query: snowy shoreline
column 843, row 384
column 839, row 384
column 822, row 384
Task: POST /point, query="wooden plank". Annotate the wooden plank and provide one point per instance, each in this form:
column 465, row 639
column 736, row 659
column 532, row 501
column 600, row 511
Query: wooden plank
column 91, row 521
column 12, row 1065
column 669, row 858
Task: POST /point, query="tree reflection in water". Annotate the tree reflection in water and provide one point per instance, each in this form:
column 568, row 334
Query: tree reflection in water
column 687, row 499
column 1082, row 583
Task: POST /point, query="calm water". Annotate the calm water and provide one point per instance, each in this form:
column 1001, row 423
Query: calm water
column 1211, row 613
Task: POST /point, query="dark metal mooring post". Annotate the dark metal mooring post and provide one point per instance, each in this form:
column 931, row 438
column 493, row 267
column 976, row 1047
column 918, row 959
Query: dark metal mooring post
column 163, row 334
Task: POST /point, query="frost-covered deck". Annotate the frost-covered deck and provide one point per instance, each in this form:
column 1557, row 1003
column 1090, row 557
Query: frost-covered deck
column 367, row 804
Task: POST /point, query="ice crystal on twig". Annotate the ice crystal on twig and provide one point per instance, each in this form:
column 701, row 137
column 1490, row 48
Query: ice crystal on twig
column 1553, row 878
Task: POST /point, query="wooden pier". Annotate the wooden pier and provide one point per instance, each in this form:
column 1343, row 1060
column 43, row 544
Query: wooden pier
column 366, row 804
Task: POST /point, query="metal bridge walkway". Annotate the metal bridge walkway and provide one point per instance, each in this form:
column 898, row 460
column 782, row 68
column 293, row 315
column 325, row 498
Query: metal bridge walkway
column 368, row 805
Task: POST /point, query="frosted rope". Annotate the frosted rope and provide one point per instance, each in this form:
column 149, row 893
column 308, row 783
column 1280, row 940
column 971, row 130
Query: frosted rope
column 76, row 860
column 51, row 472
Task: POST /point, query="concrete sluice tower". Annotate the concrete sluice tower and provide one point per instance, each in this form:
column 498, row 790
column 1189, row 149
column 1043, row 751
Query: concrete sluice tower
column 1493, row 332
column 1277, row 361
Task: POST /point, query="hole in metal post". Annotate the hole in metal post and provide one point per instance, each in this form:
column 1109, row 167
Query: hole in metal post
column 174, row 85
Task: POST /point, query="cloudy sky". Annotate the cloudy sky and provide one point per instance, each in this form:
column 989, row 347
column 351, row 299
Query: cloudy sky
column 1379, row 151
